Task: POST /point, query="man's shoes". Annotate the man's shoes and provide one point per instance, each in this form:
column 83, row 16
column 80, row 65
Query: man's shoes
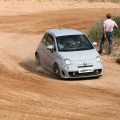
column 99, row 52
column 109, row 53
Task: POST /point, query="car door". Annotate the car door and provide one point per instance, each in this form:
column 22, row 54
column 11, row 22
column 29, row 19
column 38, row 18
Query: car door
column 50, row 55
column 43, row 49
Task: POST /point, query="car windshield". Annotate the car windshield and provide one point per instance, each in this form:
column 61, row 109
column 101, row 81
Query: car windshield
column 73, row 43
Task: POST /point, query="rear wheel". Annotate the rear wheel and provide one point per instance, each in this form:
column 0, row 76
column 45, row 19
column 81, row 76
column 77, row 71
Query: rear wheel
column 56, row 70
column 37, row 59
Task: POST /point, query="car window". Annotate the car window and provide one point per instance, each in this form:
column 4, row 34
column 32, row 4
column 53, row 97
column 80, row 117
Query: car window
column 85, row 41
column 45, row 38
column 48, row 39
column 73, row 43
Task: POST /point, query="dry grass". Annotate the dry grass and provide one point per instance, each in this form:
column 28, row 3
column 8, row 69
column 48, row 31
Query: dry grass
column 95, row 34
column 116, row 50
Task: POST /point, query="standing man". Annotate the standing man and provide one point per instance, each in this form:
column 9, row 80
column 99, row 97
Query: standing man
column 108, row 26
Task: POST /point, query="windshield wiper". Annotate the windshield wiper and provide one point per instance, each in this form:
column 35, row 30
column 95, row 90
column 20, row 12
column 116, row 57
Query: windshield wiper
column 83, row 48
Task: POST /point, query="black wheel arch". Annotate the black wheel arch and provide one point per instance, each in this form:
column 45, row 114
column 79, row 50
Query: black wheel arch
column 36, row 53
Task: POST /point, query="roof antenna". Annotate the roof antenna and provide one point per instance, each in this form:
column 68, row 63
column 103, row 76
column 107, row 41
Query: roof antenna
column 59, row 26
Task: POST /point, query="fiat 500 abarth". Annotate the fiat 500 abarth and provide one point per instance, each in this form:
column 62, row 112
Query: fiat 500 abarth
column 68, row 53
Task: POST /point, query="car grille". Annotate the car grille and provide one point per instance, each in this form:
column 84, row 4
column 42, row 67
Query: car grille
column 85, row 66
column 77, row 74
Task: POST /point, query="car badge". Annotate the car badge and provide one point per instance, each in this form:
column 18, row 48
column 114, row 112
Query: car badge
column 85, row 63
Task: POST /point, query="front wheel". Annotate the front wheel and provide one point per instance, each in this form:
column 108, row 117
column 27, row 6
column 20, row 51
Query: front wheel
column 56, row 70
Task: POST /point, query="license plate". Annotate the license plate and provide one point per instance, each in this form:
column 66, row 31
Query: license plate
column 86, row 70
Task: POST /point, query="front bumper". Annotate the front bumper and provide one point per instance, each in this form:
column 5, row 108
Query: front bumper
column 76, row 74
column 98, row 70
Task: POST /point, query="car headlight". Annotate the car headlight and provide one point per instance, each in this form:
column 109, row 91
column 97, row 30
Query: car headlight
column 67, row 61
column 98, row 59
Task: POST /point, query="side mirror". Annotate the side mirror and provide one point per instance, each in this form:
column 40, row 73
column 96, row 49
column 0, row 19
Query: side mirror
column 94, row 44
column 50, row 47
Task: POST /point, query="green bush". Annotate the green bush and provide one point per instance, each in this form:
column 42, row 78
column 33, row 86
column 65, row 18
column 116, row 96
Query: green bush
column 117, row 31
column 95, row 34
column 96, row 31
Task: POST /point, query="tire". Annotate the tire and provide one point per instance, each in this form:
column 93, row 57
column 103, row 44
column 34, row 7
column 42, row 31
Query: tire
column 56, row 71
column 37, row 59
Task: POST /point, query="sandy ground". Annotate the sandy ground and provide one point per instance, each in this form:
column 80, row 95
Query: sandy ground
column 28, row 92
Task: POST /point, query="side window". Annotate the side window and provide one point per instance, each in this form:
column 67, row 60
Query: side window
column 45, row 38
column 50, row 40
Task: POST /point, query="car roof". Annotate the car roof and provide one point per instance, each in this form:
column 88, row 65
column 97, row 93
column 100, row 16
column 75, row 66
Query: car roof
column 64, row 32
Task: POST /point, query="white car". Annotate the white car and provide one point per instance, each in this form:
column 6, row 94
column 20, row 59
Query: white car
column 69, row 53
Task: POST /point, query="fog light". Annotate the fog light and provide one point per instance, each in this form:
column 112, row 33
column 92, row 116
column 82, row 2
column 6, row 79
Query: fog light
column 66, row 67
column 96, row 71
column 73, row 73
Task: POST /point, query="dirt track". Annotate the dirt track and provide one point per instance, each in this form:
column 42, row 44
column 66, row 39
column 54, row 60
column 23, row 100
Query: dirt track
column 28, row 92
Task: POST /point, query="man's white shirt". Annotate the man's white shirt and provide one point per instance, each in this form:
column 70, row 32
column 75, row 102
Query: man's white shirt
column 109, row 25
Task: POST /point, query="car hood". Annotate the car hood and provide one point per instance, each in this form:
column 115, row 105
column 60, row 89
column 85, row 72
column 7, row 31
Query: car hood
column 79, row 55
